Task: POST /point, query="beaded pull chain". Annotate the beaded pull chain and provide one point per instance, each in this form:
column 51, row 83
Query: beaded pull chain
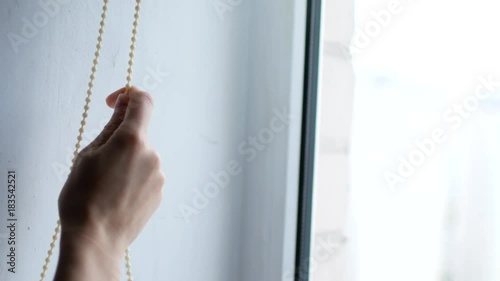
column 132, row 46
column 86, row 108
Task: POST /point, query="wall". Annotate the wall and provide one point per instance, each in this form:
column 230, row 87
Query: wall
column 270, row 198
column 216, row 76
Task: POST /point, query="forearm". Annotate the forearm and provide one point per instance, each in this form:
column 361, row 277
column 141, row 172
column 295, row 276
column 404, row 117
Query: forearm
column 84, row 259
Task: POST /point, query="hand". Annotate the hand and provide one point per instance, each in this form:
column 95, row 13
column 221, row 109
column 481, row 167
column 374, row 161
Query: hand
column 116, row 183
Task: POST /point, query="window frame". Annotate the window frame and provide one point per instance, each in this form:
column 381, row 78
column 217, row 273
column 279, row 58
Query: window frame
column 308, row 139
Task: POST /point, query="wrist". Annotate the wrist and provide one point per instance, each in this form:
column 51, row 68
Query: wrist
column 93, row 238
column 88, row 256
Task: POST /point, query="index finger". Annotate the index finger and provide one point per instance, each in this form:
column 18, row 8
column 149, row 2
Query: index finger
column 111, row 99
column 138, row 115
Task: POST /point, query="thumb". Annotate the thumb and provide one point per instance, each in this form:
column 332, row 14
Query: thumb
column 114, row 122
column 139, row 111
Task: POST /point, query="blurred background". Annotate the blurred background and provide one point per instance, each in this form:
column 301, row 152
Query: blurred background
column 407, row 185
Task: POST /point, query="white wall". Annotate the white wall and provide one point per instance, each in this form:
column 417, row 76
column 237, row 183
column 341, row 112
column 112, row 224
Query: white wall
column 227, row 72
column 270, row 198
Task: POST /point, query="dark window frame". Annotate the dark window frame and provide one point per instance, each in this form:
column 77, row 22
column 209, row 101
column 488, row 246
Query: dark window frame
column 308, row 139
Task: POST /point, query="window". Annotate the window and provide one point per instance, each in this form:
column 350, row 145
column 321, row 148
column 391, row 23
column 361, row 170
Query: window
column 406, row 186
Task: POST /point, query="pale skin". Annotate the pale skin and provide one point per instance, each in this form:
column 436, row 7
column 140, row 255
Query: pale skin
column 111, row 193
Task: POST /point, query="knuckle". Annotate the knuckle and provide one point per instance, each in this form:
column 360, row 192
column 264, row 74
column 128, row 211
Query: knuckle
column 147, row 97
column 163, row 179
column 155, row 160
column 84, row 151
column 131, row 140
column 143, row 95
column 112, row 125
column 85, row 157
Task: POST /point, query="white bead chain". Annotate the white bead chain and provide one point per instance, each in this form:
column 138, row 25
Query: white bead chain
column 127, row 88
column 82, row 126
column 49, row 252
column 132, row 46
column 85, row 115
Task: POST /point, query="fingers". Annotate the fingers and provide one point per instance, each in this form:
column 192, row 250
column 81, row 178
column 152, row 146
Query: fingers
column 111, row 99
column 120, row 106
column 140, row 107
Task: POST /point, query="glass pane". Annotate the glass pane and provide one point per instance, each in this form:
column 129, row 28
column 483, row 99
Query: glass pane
column 406, row 185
